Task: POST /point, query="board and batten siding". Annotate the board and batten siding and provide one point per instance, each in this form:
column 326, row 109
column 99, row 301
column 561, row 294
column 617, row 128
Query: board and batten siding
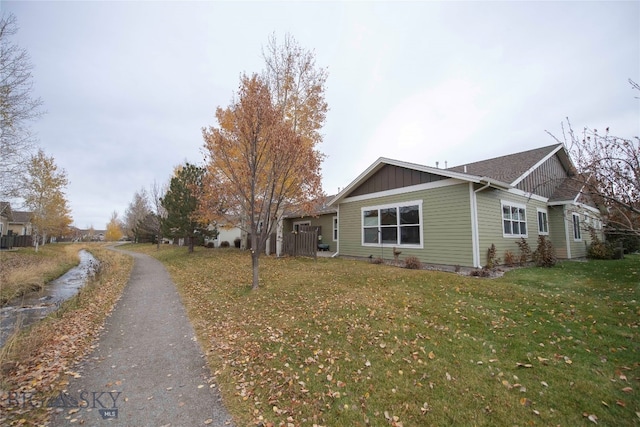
column 446, row 226
column 490, row 226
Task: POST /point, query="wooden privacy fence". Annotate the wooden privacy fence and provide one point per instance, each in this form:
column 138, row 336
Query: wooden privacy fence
column 15, row 241
column 22, row 241
column 302, row 243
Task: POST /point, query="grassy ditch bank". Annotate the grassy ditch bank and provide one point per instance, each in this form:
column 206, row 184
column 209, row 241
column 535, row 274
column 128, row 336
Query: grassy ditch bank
column 348, row 343
column 25, row 270
column 32, row 362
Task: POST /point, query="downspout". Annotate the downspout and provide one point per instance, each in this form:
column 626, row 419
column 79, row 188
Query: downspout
column 566, row 229
column 338, row 241
column 475, row 236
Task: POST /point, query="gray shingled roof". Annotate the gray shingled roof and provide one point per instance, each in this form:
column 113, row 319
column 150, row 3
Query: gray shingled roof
column 22, row 217
column 570, row 190
column 321, row 208
column 506, row 168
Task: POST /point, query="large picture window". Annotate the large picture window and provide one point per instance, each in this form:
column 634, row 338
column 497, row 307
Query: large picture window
column 393, row 225
column 514, row 220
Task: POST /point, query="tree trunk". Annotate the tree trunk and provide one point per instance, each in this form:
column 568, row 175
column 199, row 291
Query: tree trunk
column 255, row 261
column 191, row 244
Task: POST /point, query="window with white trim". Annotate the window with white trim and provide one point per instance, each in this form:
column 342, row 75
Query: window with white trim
column 576, row 227
column 393, row 225
column 514, row 220
column 298, row 224
column 335, row 228
column 543, row 222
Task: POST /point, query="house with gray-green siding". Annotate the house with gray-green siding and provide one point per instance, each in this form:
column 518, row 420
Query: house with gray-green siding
column 452, row 216
column 324, row 219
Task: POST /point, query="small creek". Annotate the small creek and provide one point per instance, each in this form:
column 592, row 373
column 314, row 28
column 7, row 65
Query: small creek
column 30, row 308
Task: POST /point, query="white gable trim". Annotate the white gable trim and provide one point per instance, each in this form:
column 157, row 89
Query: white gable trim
column 404, row 190
column 378, row 164
column 528, row 195
column 573, row 202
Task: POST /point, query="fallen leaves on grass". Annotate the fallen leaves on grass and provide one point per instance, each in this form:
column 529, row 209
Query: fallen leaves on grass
column 40, row 358
column 330, row 340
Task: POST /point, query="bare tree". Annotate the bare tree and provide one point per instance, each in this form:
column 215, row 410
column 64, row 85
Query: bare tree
column 157, row 192
column 136, row 213
column 609, row 170
column 297, row 86
column 17, row 109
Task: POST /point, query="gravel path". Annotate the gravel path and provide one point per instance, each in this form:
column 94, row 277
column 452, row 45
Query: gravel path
column 148, row 369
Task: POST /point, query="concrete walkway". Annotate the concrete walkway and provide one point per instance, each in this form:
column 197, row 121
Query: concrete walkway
column 148, row 369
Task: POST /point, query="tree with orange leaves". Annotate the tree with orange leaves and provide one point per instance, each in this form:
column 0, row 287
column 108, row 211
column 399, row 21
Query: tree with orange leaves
column 257, row 165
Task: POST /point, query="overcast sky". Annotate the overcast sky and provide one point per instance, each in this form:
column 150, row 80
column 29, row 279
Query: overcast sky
column 128, row 86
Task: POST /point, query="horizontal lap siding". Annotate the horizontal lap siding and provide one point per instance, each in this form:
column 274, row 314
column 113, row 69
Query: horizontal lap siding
column 446, row 226
column 557, row 231
column 490, row 225
column 324, row 221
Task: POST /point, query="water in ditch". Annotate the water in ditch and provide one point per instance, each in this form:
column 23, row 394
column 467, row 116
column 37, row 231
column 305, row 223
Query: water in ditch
column 34, row 306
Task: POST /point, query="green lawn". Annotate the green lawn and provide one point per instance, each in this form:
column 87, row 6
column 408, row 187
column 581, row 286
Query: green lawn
column 347, row 343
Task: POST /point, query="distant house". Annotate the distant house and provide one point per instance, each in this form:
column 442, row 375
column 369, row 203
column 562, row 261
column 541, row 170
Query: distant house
column 452, row 216
column 6, row 215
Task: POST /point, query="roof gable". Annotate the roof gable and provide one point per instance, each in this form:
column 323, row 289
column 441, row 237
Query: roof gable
column 389, row 177
column 513, row 168
column 430, row 173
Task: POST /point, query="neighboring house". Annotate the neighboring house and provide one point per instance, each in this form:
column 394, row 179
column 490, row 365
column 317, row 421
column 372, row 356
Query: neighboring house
column 324, row 218
column 452, row 216
column 21, row 223
column 228, row 235
column 6, row 215
column 227, row 232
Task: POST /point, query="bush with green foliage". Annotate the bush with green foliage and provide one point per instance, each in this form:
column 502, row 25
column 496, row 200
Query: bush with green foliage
column 545, row 254
column 412, row 263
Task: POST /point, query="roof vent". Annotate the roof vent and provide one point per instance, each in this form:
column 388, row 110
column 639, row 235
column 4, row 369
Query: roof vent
column 437, row 165
column 465, row 168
